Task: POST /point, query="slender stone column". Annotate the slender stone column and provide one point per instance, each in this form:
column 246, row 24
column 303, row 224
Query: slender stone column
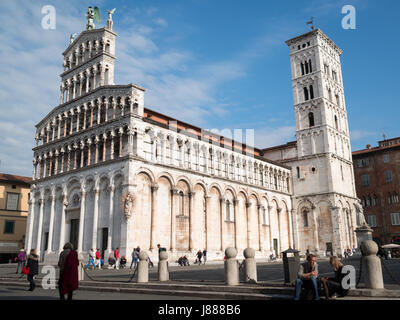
column 111, row 219
column 56, row 163
column 71, row 130
column 84, row 116
column 40, row 224
column 154, row 189
column 95, row 218
column 279, row 210
column 96, row 155
column 235, row 210
column 104, row 146
column 114, row 106
column 61, row 94
column 248, row 205
column 222, row 218
column 59, row 128
column 271, row 242
column 91, row 116
column 34, row 169
column 50, row 163
column 191, row 211
column 206, row 221
column 260, row 212
column 62, row 160
column 78, row 115
column 40, row 168
column 31, row 216
column 314, row 215
column 65, row 126
column 120, row 143
column 62, row 228
column 174, row 205
column 106, row 111
column 51, row 224
column 112, row 145
column 80, row 84
column 81, row 221
column 82, row 154
column 94, row 77
column 89, row 143
column 45, row 166
column 73, row 89
column 99, row 112
column 69, row 159
column 87, row 81
column 75, row 152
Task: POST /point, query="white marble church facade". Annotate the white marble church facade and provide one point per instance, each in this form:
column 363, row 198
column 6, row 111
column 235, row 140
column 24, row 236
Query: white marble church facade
column 110, row 173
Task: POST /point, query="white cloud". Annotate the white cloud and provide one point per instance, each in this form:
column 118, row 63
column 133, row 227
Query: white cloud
column 360, row 134
column 269, row 137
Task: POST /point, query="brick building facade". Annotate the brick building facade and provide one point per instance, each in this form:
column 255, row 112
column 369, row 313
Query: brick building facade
column 377, row 176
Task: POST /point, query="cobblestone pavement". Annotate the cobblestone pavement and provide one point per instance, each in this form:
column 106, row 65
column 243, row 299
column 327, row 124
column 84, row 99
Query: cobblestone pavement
column 10, row 292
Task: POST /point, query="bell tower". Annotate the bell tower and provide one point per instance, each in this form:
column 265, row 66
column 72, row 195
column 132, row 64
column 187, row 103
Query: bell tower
column 88, row 63
column 322, row 130
column 324, row 200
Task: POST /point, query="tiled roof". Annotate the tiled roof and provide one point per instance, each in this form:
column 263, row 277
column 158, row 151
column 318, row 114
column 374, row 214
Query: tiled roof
column 14, row 178
column 374, row 149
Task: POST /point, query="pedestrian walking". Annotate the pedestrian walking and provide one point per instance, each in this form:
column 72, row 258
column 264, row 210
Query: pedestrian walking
column 70, row 275
column 98, row 259
column 33, row 265
column 92, row 256
column 199, row 256
column 61, row 263
column 116, row 256
column 21, row 259
column 135, row 258
column 204, row 256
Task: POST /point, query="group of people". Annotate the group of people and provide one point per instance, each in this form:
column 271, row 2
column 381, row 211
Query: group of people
column 349, row 252
column 68, row 263
column 183, row 261
column 309, row 280
column 201, row 255
column 114, row 261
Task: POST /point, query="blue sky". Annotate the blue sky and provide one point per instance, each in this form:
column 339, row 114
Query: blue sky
column 216, row 64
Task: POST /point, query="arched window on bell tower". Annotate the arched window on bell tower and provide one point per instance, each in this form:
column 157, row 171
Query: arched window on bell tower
column 306, row 64
column 336, row 123
column 311, row 92
column 305, row 218
column 309, row 64
column 305, row 93
column 311, row 119
column 302, row 68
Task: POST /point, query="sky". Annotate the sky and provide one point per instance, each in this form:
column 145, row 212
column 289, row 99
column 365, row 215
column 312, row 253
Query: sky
column 214, row 64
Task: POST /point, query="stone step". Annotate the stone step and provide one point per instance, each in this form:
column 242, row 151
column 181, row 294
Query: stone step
column 168, row 291
column 210, row 287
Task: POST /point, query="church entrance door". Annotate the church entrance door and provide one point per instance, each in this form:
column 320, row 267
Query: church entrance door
column 74, row 233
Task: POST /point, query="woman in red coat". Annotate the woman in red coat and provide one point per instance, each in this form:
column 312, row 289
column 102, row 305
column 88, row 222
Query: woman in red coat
column 70, row 274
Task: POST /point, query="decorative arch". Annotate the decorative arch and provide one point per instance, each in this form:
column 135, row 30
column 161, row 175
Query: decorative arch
column 146, row 171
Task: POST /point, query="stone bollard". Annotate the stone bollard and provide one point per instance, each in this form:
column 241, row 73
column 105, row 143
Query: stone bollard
column 231, row 267
column 163, row 274
column 372, row 264
column 81, row 272
column 143, row 268
column 250, row 267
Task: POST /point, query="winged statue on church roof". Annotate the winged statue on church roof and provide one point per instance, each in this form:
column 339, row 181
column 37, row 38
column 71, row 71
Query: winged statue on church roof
column 92, row 14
